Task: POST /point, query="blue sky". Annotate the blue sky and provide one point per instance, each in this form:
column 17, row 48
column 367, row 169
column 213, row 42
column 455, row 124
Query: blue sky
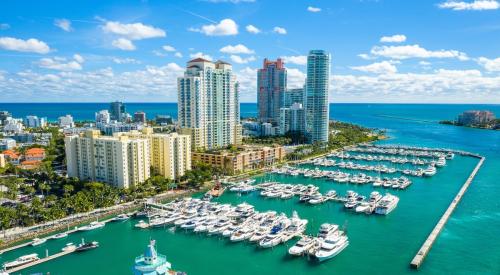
column 382, row 50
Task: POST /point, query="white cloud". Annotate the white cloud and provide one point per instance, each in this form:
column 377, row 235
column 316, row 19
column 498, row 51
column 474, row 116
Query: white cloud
column 313, row 9
column 31, row 45
column 397, row 38
column 201, row 55
column 123, row 44
column 415, row 51
column 63, row 24
column 236, row 49
column 59, row 64
column 4, row 26
column 295, row 78
column 78, row 58
column 492, row 65
column 224, row 27
column 366, row 56
column 125, row 60
column 296, row 59
column 384, row 67
column 279, row 30
column 474, row 5
column 240, row 60
column 168, row 48
column 135, row 31
column 178, row 54
column 252, row 29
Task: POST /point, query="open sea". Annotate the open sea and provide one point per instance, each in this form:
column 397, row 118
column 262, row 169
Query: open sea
column 468, row 244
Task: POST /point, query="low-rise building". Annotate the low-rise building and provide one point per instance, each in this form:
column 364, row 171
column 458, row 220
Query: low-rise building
column 34, row 154
column 3, row 161
column 248, row 158
column 66, row 121
column 13, row 125
column 7, row 143
column 12, row 157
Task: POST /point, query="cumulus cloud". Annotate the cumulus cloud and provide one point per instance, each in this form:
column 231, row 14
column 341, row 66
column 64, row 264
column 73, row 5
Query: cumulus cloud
column 59, row 64
column 236, row 49
column 63, row 24
column 474, row 5
column 201, row 55
column 168, row 48
column 178, row 54
column 135, row 31
column 384, row 67
column 223, row 28
column 295, row 78
column 252, row 29
column 31, row 45
column 492, row 65
column 279, row 30
column 240, row 60
column 4, row 26
column 313, row 9
column 123, row 44
column 127, row 60
column 415, row 51
column 295, row 59
column 397, row 38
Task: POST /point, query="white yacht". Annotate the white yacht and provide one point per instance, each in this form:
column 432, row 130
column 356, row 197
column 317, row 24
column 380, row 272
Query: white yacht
column 230, row 230
column 327, row 229
column 316, row 199
column 220, row 226
column 92, row 226
column 362, row 207
column 331, row 246
column 38, row 241
column 302, row 246
column 206, row 225
column 430, row 171
column 386, row 204
column 69, row 247
column 122, row 217
column 441, row 162
column 243, row 233
column 60, row 235
column 273, row 238
column 21, row 261
column 141, row 224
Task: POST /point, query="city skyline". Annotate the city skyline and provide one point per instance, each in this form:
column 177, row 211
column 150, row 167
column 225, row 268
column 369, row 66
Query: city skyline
column 438, row 51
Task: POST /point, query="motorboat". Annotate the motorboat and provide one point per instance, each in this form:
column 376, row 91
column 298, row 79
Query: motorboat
column 83, row 246
column 375, row 197
column 59, row 235
column 243, row 233
column 92, row 226
column 21, row 261
column 327, row 229
column 273, row 238
column 220, row 226
column 331, row 194
column 141, row 224
column 316, row 199
column 450, row 155
column 38, row 241
column 157, row 222
column 362, row 207
column 206, row 225
column 387, row 204
column 230, row 230
column 121, row 217
column 331, row 246
column 441, row 162
column 430, row 171
column 69, row 247
column 350, row 204
column 302, row 246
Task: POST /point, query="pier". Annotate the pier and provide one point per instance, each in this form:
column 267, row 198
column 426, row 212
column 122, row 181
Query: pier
column 426, row 247
column 43, row 260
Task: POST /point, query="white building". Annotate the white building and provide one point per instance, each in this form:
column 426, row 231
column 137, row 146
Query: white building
column 13, row 125
column 292, row 119
column 66, row 121
column 102, row 117
column 35, row 122
column 208, row 104
column 7, row 143
column 267, row 129
column 119, row 161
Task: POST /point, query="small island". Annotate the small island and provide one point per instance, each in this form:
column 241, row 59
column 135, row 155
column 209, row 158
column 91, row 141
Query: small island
column 475, row 119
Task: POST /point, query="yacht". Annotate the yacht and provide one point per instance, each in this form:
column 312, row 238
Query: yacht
column 220, row 226
column 38, row 241
column 441, row 162
column 273, row 238
column 450, row 155
column 430, row 171
column 121, row 217
column 141, row 224
column 327, row 229
column 21, row 261
column 331, row 194
column 377, row 182
column 243, row 233
column 69, row 247
column 192, row 223
column 316, row 199
column 206, row 225
column 60, row 235
column 157, row 222
column 362, row 207
column 230, row 230
column 350, row 204
column 83, row 246
column 92, row 226
column 331, row 246
column 375, row 197
column 302, row 246
column 386, row 204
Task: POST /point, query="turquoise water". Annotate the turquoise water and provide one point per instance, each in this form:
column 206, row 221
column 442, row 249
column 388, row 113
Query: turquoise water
column 378, row 245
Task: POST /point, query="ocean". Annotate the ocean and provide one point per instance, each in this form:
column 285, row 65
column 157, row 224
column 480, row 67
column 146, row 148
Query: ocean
column 468, row 243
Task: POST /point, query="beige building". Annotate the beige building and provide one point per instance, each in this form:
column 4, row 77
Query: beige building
column 249, row 158
column 120, row 161
column 170, row 154
column 3, row 162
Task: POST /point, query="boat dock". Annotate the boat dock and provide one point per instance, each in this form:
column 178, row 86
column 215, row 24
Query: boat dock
column 43, row 260
column 426, row 247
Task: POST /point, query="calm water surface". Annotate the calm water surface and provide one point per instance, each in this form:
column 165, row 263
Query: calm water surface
column 378, row 245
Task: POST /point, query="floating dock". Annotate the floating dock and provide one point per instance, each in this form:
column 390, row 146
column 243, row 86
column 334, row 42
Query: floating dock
column 43, row 260
column 426, row 247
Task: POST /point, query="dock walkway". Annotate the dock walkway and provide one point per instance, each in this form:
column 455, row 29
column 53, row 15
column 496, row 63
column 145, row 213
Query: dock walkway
column 426, row 247
column 43, row 260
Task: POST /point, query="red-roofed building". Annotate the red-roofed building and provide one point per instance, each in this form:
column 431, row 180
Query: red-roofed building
column 11, row 156
column 34, row 154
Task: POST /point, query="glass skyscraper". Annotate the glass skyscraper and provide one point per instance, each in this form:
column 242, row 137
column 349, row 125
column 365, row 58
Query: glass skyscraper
column 271, row 86
column 317, row 85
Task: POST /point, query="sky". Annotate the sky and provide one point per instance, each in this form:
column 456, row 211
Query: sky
column 411, row 51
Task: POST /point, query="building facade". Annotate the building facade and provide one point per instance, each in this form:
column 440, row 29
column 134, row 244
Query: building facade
column 208, row 104
column 271, row 86
column 474, row 117
column 316, row 105
column 140, row 117
column 117, row 110
column 66, row 121
column 118, row 161
column 294, row 96
column 102, row 117
column 35, row 122
column 292, row 119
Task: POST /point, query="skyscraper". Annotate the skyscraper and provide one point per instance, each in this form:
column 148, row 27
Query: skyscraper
column 117, row 110
column 317, row 84
column 293, row 96
column 208, row 104
column 292, row 119
column 271, row 86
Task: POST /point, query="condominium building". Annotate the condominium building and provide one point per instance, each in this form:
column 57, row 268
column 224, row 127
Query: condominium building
column 248, row 158
column 117, row 110
column 271, row 86
column 292, row 119
column 317, row 85
column 475, row 117
column 35, row 122
column 140, row 117
column 66, row 121
column 118, row 161
column 294, row 96
column 13, row 125
column 208, row 104
column 170, row 154
column 102, row 117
